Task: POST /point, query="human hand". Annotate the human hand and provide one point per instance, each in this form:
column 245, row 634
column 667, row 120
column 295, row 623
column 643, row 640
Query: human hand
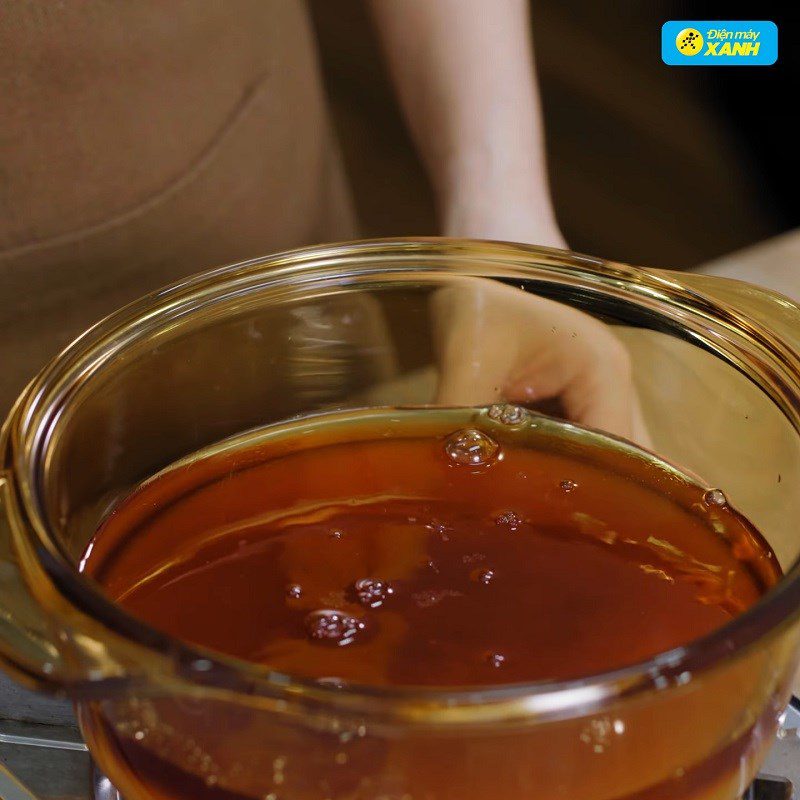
column 498, row 342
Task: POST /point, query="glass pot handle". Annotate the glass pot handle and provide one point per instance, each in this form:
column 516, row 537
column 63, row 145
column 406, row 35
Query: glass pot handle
column 27, row 649
column 779, row 314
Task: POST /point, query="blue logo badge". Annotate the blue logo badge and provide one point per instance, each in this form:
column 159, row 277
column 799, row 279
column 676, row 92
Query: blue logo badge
column 717, row 43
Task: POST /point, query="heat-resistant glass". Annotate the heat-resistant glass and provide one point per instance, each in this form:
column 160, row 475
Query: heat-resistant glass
column 716, row 374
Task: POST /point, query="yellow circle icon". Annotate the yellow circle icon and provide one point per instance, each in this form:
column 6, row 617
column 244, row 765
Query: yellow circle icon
column 689, row 41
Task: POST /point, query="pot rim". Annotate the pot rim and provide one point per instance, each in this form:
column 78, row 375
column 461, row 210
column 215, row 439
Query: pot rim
column 31, row 422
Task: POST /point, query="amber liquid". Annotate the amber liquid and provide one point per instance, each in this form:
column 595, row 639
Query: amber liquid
column 427, row 548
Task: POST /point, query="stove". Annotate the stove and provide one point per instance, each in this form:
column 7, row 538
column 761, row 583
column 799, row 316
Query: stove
column 781, row 770
column 47, row 762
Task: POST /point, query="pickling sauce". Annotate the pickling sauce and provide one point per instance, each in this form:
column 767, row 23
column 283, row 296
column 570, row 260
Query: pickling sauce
column 493, row 553
column 425, row 548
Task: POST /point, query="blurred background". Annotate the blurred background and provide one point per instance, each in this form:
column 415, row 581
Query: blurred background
column 124, row 166
column 649, row 164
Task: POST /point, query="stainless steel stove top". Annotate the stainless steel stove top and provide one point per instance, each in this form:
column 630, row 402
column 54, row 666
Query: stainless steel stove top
column 45, row 762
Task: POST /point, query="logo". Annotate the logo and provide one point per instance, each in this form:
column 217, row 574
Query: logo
column 717, row 43
column 689, row 41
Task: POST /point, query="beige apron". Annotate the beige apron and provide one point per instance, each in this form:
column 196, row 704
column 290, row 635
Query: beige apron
column 141, row 142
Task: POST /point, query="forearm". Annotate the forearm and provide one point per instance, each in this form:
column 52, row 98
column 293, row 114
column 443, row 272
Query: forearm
column 465, row 78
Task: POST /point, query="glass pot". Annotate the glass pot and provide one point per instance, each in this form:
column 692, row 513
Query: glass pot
column 716, row 368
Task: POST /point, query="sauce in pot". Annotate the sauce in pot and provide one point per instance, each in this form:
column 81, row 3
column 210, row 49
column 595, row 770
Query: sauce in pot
column 433, row 548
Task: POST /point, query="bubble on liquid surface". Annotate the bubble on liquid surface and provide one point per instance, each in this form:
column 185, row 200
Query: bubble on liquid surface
column 331, row 627
column 431, row 565
column 332, row 682
column 442, row 529
column 715, row 497
column 471, row 447
column 294, row 591
column 495, row 660
column 600, row 732
column 484, row 576
column 509, row 519
column 427, row 598
column 568, row 486
column 372, row 592
column 507, row 414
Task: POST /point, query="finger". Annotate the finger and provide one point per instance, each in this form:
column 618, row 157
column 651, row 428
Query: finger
column 472, row 381
column 595, row 387
column 475, row 352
